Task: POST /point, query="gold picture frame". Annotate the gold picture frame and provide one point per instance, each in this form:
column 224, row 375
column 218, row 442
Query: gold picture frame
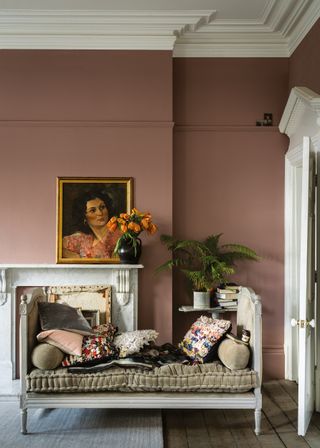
column 84, row 205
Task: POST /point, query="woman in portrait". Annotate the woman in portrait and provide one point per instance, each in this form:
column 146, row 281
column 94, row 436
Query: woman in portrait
column 92, row 239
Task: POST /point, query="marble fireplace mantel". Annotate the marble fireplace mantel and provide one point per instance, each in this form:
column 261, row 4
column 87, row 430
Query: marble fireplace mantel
column 123, row 279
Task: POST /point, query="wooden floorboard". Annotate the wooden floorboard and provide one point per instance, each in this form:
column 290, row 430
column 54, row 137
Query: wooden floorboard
column 280, row 420
column 174, row 431
column 235, row 428
column 268, row 437
column 197, row 430
column 219, row 429
column 286, row 396
column 291, row 387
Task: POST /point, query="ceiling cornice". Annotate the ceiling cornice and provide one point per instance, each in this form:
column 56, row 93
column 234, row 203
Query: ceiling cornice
column 188, row 33
column 110, row 30
column 236, row 45
column 301, row 27
column 277, row 33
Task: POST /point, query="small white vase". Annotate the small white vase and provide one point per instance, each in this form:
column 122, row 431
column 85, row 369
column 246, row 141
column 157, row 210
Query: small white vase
column 201, row 300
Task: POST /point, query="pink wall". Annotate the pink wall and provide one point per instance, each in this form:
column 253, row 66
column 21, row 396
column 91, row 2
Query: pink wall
column 221, row 91
column 61, row 110
column 229, row 176
column 305, row 62
column 110, row 114
column 86, row 85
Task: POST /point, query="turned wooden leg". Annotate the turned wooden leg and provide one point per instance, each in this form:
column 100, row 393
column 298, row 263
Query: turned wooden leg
column 24, row 415
column 257, row 418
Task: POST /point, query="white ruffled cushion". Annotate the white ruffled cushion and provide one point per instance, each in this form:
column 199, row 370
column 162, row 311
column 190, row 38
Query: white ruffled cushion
column 131, row 342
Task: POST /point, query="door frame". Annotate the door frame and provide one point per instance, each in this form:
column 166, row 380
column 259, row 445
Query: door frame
column 307, row 299
column 300, row 118
column 293, row 181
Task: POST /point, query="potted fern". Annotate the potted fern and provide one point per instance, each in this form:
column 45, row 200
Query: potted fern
column 205, row 263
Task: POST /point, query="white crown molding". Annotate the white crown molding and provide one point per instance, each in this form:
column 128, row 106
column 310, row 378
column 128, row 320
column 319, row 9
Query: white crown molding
column 281, row 28
column 65, row 42
column 268, row 11
column 301, row 100
column 279, row 14
column 277, row 31
column 235, row 45
column 307, row 19
column 111, row 30
column 230, row 51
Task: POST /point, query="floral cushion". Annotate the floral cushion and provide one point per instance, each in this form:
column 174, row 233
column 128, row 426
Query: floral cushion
column 201, row 341
column 95, row 348
column 107, row 330
column 132, row 342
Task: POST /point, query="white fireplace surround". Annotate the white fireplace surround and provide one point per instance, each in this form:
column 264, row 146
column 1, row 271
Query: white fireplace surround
column 123, row 279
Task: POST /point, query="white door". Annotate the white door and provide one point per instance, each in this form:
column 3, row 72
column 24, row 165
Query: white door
column 306, row 323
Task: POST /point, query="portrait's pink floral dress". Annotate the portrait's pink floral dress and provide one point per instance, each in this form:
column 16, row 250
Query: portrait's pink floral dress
column 83, row 244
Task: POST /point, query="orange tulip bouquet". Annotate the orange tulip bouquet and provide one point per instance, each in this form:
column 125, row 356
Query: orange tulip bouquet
column 131, row 225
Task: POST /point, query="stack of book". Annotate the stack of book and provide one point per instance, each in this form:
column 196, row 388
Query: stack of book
column 228, row 297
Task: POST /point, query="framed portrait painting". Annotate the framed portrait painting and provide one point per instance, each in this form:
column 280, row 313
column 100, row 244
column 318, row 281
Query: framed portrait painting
column 85, row 205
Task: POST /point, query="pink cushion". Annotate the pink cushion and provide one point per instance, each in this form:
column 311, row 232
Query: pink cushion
column 67, row 341
column 95, row 348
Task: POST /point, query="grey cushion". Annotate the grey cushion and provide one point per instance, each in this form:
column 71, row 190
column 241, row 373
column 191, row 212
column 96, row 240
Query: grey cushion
column 46, row 357
column 58, row 316
column 211, row 377
column 233, row 353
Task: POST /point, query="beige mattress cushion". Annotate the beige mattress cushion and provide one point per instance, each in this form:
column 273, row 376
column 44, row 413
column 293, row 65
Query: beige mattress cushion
column 213, row 377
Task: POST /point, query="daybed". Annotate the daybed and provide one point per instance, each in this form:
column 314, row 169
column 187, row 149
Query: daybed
column 206, row 386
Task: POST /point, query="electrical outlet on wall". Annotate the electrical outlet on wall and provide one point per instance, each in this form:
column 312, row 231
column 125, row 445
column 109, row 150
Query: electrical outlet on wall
column 268, row 119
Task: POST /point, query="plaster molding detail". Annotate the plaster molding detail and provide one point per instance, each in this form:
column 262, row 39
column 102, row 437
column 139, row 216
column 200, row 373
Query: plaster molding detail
column 88, row 29
column 305, row 18
column 300, row 100
column 294, row 156
column 316, row 141
column 236, row 45
column 3, row 287
column 276, row 32
column 274, row 12
column 292, row 13
column 123, row 286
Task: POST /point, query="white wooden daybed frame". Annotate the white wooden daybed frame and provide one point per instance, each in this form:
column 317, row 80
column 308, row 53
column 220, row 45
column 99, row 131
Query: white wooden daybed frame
column 248, row 316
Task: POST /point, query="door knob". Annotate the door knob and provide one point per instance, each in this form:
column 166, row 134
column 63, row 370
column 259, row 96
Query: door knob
column 294, row 322
column 311, row 323
column 303, row 323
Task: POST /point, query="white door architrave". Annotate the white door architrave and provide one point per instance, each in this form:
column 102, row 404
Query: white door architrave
column 306, row 322
column 301, row 118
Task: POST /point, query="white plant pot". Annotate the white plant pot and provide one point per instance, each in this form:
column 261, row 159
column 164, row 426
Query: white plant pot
column 201, row 300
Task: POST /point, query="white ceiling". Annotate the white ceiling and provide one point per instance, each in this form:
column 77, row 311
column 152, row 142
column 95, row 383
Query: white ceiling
column 191, row 28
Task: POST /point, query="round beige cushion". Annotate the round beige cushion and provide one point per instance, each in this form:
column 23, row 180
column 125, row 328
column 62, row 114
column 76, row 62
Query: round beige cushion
column 46, row 357
column 233, row 354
